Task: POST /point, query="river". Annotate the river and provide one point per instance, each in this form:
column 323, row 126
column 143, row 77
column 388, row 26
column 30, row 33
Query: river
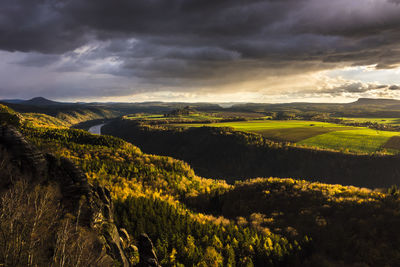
column 96, row 129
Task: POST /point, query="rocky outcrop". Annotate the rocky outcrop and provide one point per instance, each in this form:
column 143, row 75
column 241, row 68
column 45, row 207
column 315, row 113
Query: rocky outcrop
column 146, row 251
column 91, row 205
column 24, row 156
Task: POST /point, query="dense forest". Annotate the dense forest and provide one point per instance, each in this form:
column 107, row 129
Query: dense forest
column 155, row 184
column 347, row 224
column 194, row 221
column 232, row 155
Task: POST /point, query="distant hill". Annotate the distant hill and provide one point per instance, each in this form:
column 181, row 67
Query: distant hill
column 36, row 101
column 40, row 101
column 376, row 101
column 12, row 101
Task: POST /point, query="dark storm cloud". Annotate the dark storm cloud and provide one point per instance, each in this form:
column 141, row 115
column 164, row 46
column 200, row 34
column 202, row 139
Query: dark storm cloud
column 201, row 42
column 37, row 60
column 38, row 26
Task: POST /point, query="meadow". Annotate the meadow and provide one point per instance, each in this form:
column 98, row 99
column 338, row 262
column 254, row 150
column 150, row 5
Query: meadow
column 318, row 134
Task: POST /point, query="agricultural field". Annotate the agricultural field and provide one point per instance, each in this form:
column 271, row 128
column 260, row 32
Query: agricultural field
column 391, row 121
column 357, row 140
column 318, row 134
column 161, row 117
column 199, row 116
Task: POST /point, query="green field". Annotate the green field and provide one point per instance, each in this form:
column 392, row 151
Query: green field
column 318, row 134
column 391, row 121
column 161, row 117
column 358, row 140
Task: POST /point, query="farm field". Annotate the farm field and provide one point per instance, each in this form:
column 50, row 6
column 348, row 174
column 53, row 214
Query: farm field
column 391, row 121
column 319, row 134
column 357, row 140
column 158, row 117
column 199, row 116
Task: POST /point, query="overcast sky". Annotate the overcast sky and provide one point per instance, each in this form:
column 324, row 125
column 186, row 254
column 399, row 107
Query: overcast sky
column 200, row 50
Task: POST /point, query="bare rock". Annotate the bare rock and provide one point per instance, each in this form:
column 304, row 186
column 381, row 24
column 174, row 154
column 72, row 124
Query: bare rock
column 23, row 155
column 90, row 204
column 146, row 252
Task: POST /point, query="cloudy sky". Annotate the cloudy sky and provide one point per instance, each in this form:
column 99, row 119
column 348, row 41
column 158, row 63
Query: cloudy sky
column 200, row 50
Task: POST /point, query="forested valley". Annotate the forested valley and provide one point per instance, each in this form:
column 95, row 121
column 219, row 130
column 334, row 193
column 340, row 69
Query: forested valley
column 191, row 220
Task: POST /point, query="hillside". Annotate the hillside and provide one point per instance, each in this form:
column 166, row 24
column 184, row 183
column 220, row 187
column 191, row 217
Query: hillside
column 63, row 114
column 349, row 226
column 232, row 155
column 149, row 192
column 79, row 114
column 376, row 101
column 57, row 208
column 192, row 220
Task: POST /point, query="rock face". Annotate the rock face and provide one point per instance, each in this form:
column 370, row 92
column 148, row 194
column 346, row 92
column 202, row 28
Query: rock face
column 25, row 156
column 146, row 251
column 90, row 204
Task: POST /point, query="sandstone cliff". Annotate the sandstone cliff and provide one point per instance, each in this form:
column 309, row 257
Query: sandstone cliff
column 91, row 205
